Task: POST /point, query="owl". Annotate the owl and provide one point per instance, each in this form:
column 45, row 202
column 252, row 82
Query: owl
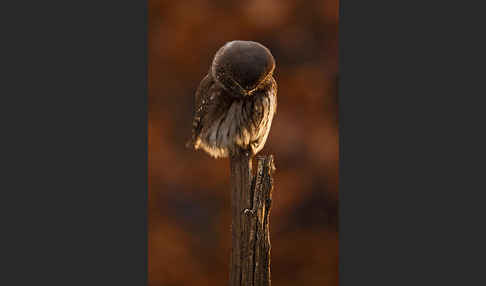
column 236, row 101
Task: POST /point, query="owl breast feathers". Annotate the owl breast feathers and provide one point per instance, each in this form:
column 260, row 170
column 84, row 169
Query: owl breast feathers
column 236, row 101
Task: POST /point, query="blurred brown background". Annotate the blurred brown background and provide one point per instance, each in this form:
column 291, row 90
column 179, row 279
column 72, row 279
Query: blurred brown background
column 189, row 207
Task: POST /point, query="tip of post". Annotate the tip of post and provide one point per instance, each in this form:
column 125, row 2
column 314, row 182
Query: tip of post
column 272, row 163
column 267, row 160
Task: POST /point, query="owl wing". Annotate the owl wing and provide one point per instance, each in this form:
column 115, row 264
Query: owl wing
column 200, row 106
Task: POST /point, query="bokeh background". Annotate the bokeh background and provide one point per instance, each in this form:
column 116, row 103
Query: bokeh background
column 189, row 200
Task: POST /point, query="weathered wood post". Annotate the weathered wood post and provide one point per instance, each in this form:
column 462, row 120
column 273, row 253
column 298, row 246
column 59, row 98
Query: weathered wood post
column 251, row 198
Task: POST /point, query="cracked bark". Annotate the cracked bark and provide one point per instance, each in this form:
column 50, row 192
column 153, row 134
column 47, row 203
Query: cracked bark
column 251, row 198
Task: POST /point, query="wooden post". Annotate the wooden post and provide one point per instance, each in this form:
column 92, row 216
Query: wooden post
column 251, row 198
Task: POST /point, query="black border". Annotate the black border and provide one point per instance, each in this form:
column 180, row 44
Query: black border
column 74, row 110
column 412, row 155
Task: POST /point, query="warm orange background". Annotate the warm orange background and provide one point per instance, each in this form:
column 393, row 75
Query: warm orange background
column 189, row 207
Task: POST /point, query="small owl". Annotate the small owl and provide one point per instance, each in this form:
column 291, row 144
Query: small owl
column 236, row 101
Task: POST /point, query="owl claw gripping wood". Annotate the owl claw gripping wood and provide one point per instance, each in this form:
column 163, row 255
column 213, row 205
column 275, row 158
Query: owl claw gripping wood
column 236, row 101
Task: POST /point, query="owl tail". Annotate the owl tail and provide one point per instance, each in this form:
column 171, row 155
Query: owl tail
column 193, row 143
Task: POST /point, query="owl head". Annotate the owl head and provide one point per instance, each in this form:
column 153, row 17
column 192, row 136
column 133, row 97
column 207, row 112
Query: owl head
column 242, row 67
